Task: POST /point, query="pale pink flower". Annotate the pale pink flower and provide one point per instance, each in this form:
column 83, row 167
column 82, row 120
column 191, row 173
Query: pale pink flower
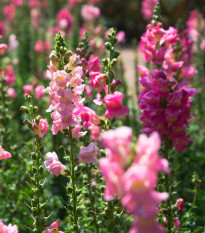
column 13, row 43
column 114, row 105
column 88, row 154
column 4, row 154
column 76, row 131
column 53, row 165
column 53, row 228
column 120, row 36
column 61, row 78
column 89, row 13
column 27, row 89
column 3, row 48
column 40, row 129
column 39, row 91
column 11, row 92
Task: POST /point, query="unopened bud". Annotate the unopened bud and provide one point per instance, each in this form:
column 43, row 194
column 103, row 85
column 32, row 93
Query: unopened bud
column 25, row 109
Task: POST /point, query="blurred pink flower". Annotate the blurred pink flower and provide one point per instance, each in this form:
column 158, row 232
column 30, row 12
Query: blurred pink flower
column 39, row 92
column 120, row 36
column 64, row 20
column 11, row 92
column 54, row 166
column 17, row 2
column 4, row 154
column 89, row 13
column 27, row 89
column 2, row 28
column 148, row 8
column 10, row 12
column 3, row 48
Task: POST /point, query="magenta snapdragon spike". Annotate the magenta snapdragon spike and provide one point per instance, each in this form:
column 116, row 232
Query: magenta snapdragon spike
column 134, row 184
column 165, row 106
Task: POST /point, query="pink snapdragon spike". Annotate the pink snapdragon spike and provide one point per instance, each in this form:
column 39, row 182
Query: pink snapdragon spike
column 148, row 8
column 41, row 129
column 9, row 75
column 53, row 165
column 64, row 20
column 89, row 12
column 3, row 48
column 8, row 229
column 4, row 154
column 88, row 154
column 39, row 91
column 11, row 93
column 113, row 177
column 53, row 228
column 134, row 185
column 27, row 89
column 10, row 12
column 114, row 105
column 119, row 151
column 93, row 64
column 17, row 2
column 72, row 3
column 2, row 29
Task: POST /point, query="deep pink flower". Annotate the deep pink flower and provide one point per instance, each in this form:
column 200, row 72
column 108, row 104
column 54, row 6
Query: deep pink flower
column 53, row 165
column 98, row 81
column 53, row 228
column 88, row 154
column 180, row 204
column 4, row 154
column 27, row 89
column 2, row 29
column 10, row 12
column 64, row 20
column 114, row 105
column 33, row 3
column 93, row 64
column 17, row 2
column 39, row 91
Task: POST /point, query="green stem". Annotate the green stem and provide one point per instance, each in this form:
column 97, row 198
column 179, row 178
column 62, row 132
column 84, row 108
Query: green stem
column 75, row 214
column 92, row 197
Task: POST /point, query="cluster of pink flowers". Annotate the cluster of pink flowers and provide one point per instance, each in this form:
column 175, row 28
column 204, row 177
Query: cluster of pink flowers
column 53, row 228
column 165, row 101
column 53, row 165
column 135, row 186
column 8, row 229
column 148, row 8
column 39, row 90
column 4, row 154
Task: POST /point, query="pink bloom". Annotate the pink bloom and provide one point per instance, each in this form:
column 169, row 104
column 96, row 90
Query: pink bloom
column 35, row 17
column 33, row 3
column 64, row 20
column 119, row 151
column 120, row 36
column 93, row 64
column 98, row 81
column 4, row 154
column 76, row 131
column 114, row 105
column 10, row 12
column 95, row 131
column 176, row 223
column 180, row 204
column 72, row 3
column 88, row 154
column 61, row 78
column 40, row 129
column 11, row 93
column 113, row 177
column 27, row 89
column 88, row 91
column 88, row 116
column 3, row 48
column 9, row 75
column 90, row 12
column 17, row 2
column 53, row 228
column 39, row 92
column 148, row 8
column 53, row 165
column 13, row 43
